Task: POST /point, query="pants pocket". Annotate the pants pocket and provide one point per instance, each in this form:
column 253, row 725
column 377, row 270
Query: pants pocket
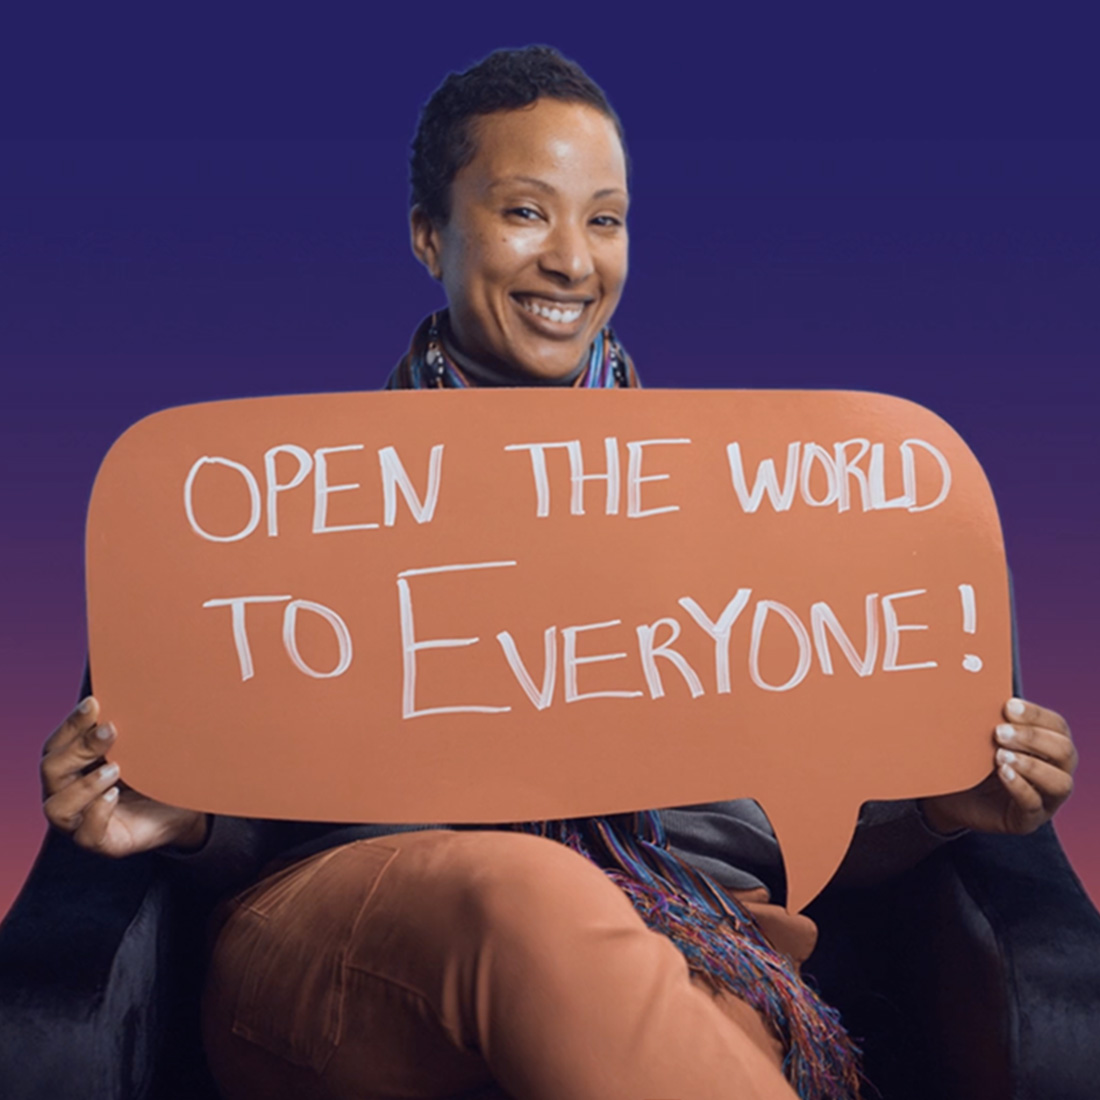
column 283, row 949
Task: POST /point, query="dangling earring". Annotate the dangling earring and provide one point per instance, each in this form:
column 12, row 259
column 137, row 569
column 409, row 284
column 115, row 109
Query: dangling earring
column 618, row 359
column 433, row 354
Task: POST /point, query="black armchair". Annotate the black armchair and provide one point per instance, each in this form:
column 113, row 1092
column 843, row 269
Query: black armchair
column 976, row 975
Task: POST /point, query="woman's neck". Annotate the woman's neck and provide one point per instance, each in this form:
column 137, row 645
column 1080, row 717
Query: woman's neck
column 481, row 375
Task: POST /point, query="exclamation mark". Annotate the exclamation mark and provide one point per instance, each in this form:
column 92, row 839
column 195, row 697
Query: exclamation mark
column 971, row 661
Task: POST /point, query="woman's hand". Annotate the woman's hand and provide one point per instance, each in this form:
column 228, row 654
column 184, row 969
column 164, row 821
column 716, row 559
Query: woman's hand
column 1032, row 777
column 81, row 798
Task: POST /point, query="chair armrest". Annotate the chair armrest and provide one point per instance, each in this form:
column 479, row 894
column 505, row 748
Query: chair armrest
column 82, row 955
column 1020, row 919
column 975, row 974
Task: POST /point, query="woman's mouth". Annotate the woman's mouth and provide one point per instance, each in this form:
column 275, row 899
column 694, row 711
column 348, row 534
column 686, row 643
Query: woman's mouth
column 546, row 309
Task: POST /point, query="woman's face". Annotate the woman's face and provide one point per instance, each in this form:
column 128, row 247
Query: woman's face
column 534, row 255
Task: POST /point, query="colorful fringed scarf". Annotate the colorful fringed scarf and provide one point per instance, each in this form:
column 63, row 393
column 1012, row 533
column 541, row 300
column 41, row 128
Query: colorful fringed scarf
column 427, row 365
column 722, row 943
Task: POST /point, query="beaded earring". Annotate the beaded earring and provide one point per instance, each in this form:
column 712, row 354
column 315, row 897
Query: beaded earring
column 433, row 354
column 617, row 357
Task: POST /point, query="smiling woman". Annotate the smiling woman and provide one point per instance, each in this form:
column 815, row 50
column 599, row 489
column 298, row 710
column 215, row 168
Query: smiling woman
column 533, row 256
column 608, row 958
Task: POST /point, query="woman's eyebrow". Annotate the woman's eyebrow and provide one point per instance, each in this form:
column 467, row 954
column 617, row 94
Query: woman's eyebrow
column 532, row 181
column 542, row 185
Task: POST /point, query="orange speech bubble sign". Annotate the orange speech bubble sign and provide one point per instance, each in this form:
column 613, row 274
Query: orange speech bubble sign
column 486, row 606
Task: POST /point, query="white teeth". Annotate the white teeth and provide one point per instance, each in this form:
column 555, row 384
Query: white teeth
column 566, row 316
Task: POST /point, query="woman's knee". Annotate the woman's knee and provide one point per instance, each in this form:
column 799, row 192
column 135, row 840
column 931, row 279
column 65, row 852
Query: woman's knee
column 504, row 880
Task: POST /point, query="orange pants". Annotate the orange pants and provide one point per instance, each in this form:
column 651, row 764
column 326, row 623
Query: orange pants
column 473, row 964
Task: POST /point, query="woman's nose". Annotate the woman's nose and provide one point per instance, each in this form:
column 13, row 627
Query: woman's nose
column 566, row 253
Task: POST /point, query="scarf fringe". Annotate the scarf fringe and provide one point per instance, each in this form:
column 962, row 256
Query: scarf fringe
column 721, row 942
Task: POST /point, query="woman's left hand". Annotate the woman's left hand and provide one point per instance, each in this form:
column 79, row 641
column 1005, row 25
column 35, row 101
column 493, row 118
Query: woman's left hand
column 1031, row 778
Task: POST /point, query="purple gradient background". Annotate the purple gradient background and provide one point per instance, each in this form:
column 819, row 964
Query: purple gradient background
column 199, row 211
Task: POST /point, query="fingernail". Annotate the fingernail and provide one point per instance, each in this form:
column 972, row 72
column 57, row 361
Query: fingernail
column 85, row 705
column 1005, row 732
column 1015, row 707
column 111, row 795
column 105, row 732
column 1007, row 772
column 108, row 771
column 1005, row 757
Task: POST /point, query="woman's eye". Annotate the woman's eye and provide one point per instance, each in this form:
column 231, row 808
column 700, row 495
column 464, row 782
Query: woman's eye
column 524, row 212
column 606, row 220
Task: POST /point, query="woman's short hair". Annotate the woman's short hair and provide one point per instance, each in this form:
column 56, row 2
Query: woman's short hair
column 504, row 81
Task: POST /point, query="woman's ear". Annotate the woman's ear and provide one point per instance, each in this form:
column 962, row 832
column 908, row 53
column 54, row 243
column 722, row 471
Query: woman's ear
column 424, row 238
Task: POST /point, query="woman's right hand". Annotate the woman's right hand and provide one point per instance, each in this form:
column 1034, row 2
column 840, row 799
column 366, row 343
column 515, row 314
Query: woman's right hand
column 81, row 798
